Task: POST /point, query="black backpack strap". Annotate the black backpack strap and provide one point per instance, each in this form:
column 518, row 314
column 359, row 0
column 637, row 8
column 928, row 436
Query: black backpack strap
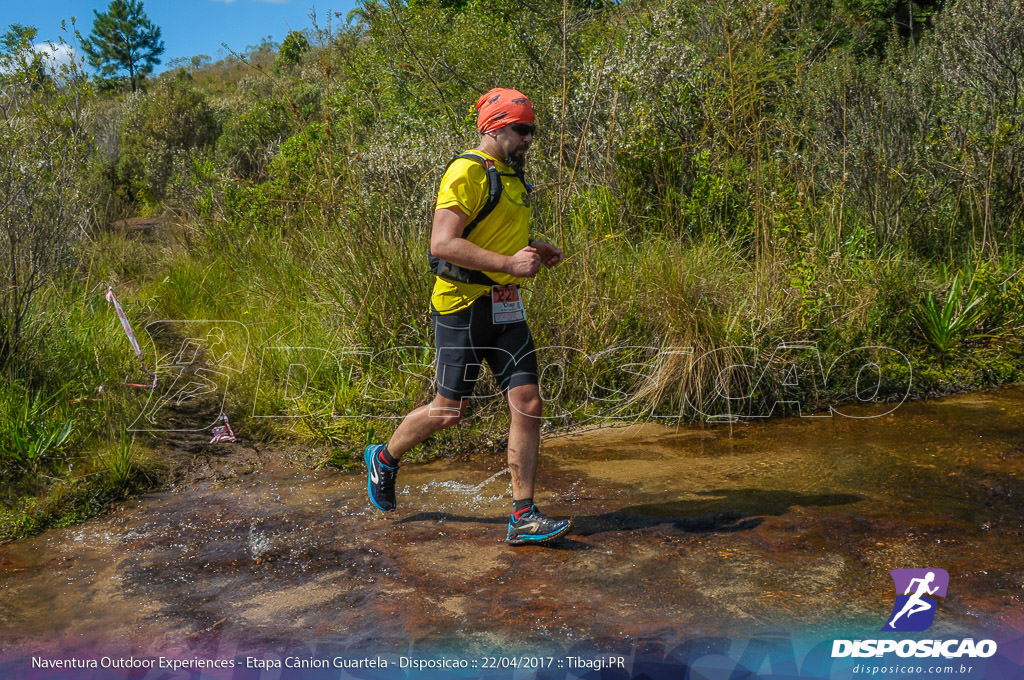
column 446, row 269
column 494, row 189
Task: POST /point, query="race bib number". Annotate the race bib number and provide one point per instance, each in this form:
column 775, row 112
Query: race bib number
column 506, row 305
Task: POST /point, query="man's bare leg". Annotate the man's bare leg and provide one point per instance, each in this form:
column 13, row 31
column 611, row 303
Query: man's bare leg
column 526, row 408
column 382, row 461
column 527, row 525
column 424, row 421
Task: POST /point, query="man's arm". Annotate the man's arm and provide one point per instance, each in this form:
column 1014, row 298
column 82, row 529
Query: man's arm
column 446, row 242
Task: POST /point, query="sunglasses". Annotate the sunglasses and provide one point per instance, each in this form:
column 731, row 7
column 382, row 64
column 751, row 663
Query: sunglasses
column 523, row 129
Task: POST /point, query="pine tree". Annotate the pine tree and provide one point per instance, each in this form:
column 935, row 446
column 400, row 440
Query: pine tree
column 124, row 39
column 294, row 46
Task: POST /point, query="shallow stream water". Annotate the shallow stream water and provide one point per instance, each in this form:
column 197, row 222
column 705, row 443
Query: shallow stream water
column 742, row 529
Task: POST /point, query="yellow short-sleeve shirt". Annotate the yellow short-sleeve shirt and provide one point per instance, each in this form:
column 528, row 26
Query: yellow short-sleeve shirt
column 506, row 230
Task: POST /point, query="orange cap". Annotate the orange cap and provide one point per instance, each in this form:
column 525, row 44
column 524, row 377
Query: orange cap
column 501, row 106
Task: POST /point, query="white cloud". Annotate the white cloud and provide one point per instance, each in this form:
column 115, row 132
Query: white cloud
column 56, row 55
column 56, row 58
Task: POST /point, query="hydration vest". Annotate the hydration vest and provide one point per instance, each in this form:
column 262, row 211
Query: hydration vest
column 453, row 272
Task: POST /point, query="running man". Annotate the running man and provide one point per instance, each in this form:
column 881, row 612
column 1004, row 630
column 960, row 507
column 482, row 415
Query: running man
column 917, row 603
column 481, row 253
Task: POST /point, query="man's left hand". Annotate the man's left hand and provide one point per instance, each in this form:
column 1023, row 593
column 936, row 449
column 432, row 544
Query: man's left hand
column 549, row 255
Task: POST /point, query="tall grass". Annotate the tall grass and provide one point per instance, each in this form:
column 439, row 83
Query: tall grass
column 32, row 433
column 724, row 183
column 119, row 464
column 55, row 417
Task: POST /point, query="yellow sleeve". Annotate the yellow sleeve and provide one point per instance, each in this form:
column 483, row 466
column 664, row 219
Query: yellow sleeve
column 463, row 185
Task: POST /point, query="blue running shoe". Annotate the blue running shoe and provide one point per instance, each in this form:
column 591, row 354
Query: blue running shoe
column 535, row 527
column 380, row 478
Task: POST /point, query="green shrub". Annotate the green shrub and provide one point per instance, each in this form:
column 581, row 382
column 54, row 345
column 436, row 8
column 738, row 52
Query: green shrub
column 290, row 53
column 49, row 180
column 251, row 137
column 162, row 133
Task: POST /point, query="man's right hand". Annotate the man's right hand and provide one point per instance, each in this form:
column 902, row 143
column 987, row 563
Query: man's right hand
column 524, row 264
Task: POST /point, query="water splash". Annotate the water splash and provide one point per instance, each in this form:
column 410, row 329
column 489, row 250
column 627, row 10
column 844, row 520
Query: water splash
column 467, row 494
column 259, row 544
column 461, row 488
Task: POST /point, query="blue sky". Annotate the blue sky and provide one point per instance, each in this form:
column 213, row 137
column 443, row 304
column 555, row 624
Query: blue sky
column 188, row 27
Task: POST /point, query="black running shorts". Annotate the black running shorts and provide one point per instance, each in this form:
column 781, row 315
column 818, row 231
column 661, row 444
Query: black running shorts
column 467, row 337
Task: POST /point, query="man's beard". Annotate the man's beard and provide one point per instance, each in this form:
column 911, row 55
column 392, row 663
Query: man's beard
column 517, row 161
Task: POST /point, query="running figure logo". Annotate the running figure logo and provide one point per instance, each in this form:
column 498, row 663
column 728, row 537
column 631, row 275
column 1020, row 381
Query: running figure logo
column 914, row 610
column 202, row 357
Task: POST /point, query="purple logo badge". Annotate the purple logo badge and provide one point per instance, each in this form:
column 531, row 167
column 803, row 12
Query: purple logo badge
column 915, row 605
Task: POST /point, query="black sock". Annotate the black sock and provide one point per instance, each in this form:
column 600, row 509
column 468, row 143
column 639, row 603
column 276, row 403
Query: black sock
column 519, row 507
column 386, row 458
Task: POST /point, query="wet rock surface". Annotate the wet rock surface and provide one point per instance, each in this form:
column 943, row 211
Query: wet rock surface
column 680, row 532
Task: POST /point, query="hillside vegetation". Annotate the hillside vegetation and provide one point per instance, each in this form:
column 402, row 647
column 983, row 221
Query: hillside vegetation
column 767, row 208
